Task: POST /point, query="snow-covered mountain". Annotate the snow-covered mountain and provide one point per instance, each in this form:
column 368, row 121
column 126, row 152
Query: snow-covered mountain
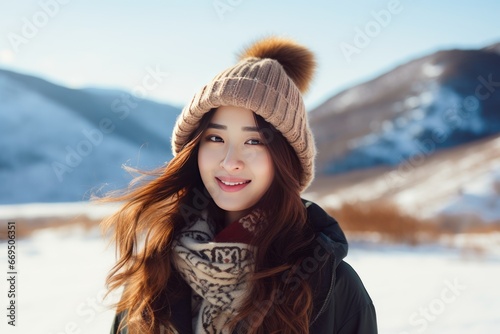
column 439, row 101
column 463, row 181
column 424, row 136
column 60, row 144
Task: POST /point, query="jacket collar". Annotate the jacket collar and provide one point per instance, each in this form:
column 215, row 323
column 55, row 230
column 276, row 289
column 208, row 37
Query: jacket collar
column 329, row 249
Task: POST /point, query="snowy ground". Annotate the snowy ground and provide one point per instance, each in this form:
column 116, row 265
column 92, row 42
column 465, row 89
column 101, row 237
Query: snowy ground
column 422, row 290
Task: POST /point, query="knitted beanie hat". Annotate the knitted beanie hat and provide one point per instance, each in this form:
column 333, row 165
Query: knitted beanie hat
column 269, row 79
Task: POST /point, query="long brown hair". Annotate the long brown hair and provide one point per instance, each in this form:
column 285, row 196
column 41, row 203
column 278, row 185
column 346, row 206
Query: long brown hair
column 159, row 203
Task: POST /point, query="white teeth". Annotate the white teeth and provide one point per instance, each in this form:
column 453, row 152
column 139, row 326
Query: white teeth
column 232, row 183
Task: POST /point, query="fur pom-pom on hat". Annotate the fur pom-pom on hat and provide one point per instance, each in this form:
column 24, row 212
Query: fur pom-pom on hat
column 297, row 61
column 269, row 79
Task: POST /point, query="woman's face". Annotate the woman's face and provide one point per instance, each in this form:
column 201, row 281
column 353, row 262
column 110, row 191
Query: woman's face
column 234, row 162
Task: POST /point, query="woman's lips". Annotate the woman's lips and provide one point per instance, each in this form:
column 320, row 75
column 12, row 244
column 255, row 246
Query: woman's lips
column 232, row 185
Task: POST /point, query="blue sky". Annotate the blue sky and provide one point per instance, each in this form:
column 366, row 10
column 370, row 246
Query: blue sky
column 115, row 44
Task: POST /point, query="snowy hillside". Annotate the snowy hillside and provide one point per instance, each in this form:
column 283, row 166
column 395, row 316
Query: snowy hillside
column 460, row 181
column 60, row 144
column 424, row 136
column 440, row 101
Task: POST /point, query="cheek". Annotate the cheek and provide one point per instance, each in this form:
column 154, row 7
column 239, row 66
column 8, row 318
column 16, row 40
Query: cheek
column 202, row 160
column 263, row 163
column 207, row 158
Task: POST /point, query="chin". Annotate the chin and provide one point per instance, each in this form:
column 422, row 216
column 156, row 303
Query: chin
column 232, row 204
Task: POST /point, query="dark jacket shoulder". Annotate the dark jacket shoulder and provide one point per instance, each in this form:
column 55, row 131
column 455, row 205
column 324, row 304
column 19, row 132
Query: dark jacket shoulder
column 341, row 302
column 354, row 309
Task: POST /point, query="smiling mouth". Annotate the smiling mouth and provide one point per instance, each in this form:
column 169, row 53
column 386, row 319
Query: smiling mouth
column 232, row 186
column 227, row 183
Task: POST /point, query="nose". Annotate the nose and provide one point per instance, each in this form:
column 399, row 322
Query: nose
column 232, row 160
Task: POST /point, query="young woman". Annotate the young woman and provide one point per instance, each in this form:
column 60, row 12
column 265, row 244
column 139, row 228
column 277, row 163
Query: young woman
column 219, row 240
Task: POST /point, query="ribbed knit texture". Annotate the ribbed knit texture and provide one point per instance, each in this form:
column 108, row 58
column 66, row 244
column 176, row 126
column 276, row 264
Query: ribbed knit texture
column 262, row 86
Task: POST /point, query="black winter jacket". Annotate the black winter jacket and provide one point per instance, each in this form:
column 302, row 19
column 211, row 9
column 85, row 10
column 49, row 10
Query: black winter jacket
column 341, row 303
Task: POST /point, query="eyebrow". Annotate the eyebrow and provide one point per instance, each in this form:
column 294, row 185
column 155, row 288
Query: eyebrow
column 223, row 127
